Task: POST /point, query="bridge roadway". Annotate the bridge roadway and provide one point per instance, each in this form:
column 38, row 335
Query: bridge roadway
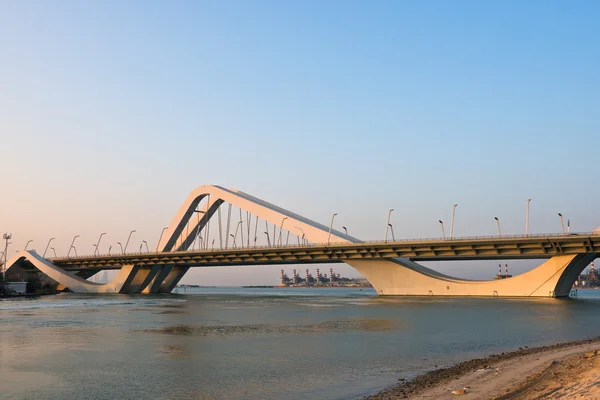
column 539, row 246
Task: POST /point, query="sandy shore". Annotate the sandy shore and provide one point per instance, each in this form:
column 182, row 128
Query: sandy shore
column 562, row 371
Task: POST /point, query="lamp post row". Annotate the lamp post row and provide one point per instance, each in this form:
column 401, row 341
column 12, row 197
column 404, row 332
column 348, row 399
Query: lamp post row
column 389, row 228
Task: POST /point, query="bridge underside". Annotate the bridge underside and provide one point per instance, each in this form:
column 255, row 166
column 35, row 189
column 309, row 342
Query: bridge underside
column 402, row 277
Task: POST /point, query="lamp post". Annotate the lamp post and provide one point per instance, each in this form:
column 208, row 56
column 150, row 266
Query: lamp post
column 72, row 247
column 119, row 243
column 98, row 244
column 48, row 245
column 129, row 237
column 200, row 242
column 330, row 227
column 52, row 248
column 443, row 232
column 388, row 223
column 562, row 224
column 280, row 230
column 233, row 236
column 75, row 250
column 527, row 218
column 498, row 223
column 198, row 223
column 392, row 229
column 160, row 237
column 109, row 249
column 452, row 221
column 236, row 232
column 213, row 243
column 346, row 230
column 6, row 237
column 268, row 240
column 27, row 245
column 146, row 243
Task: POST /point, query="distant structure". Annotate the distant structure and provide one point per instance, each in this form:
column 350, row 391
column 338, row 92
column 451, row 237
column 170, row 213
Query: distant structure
column 500, row 276
column 320, row 280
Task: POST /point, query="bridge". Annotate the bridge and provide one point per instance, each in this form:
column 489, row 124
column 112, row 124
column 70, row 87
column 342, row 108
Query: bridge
column 390, row 266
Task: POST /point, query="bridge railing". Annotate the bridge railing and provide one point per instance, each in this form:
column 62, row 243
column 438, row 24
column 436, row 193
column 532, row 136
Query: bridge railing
column 391, row 242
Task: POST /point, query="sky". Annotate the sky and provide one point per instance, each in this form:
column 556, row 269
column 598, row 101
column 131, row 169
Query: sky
column 111, row 112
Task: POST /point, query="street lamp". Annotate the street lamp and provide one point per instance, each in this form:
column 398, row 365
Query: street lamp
column 280, row 230
column 146, row 243
column 72, row 247
column 268, row 240
column 498, row 223
column 233, row 236
column 109, row 249
column 330, row 227
column 52, row 248
column 6, row 237
column 388, row 223
column 98, row 244
column 346, row 230
column 213, row 243
column 527, row 218
column 129, row 237
column 443, row 232
column 160, row 237
column 562, row 223
column 27, row 245
column 452, row 221
column 119, row 243
column 392, row 229
column 48, row 245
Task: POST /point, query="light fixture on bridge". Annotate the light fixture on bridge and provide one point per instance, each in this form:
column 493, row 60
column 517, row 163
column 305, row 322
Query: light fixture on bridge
column 160, row 237
column 27, row 245
column 388, row 223
column 72, row 246
column 443, row 232
column 330, row 227
column 98, row 244
column 452, row 221
column 6, row 237
column 527, row 218
column 498, row 223
column 562, row 224
column 48, row 245
column 127, row 243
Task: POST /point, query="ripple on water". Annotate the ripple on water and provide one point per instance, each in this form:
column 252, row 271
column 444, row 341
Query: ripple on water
column 366, row 325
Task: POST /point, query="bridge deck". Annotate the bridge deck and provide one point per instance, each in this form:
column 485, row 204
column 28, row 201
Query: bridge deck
column 484, row 248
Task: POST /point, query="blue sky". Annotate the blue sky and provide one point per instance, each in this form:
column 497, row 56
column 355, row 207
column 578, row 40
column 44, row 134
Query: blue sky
column 112, row 112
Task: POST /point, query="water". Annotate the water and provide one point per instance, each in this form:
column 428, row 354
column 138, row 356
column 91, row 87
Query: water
column 232, row 343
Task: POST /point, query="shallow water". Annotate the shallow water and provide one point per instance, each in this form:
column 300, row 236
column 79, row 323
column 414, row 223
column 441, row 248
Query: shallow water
column 232, row 343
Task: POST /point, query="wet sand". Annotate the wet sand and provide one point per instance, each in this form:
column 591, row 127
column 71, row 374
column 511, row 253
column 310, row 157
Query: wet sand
column 561, row 371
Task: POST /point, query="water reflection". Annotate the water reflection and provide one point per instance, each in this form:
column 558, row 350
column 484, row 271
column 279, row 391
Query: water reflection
column 236, row 343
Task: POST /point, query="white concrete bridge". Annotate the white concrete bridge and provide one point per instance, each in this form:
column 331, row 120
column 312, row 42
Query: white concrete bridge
column 391, row 267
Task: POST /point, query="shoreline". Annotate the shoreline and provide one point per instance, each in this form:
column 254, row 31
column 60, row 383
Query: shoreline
column 501, row 375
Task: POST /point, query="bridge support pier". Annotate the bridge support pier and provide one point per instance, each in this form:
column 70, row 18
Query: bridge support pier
column 401, row 277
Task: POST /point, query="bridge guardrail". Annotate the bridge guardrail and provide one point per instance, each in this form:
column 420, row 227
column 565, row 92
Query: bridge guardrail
column 455, row 239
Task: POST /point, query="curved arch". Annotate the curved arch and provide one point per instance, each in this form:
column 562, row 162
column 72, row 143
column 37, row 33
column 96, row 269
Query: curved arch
column 122, row 282
column 297, row 224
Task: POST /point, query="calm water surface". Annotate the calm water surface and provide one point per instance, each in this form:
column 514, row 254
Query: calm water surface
column 261, row 343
